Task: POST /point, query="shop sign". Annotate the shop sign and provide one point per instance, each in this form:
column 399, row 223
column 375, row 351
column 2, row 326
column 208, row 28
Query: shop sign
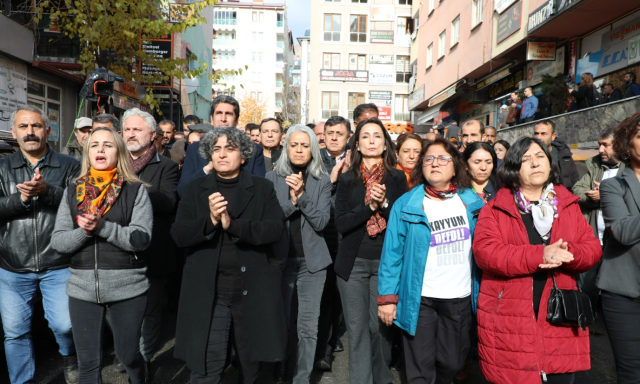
column 540, row 16
column 399, row 128
column 634, row 50
column 13, row 88
column 416, row 97
column 563, row 5
column 344, row 75
column 537, row 69
column 509, row 22
column 380, row 59
column 541, row 50
column 573, row 56
column 122, row 102
column 442, row 96
column 382, row 78
column 508, row 84
column 605, row 60
column 160, row 49
column 476, row 112
column 382, row 99
column 126, row 88
column 622, row 33
column 380, row 36
column 502, row 5
column 493, row 78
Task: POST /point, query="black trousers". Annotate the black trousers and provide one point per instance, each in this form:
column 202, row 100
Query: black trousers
column 331, row 321
column 438, row 350
column 125, row 317
column 227, row 311
column 621, row 316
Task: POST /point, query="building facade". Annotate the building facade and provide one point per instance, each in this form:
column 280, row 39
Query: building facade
column 360, row 53
column 253, row 37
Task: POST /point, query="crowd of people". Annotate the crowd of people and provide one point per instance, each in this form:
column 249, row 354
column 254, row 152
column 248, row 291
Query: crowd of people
column 428, row 251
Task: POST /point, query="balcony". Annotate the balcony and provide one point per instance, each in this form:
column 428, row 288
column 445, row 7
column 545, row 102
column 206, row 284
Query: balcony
column 280, row 44
column 218, row 42
column 280, row 24
column 225, row 21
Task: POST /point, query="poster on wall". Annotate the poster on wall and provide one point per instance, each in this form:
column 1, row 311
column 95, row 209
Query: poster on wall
column 13, row 89
column 541, row 50
column 54, row 123
column 382, row 99
column 634, row 50
column 537, row 69
column 382, row 78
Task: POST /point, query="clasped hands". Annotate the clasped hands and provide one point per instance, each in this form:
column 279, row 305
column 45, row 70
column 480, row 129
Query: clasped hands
column 296, row 186
column 378, row 196
column 555, row 254
column 89, row 221
column 218, row 210
column 30, row 189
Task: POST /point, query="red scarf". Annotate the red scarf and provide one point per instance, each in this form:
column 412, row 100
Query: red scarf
column 376, row 223
column 447, row 194
column 142, row 161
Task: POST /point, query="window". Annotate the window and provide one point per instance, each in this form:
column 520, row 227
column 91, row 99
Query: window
column 256, row 56
column 331, row 27
column 358, row 29
column 331, row 61
column 403, row 69
column 441, row 44
column 47, row 98
column 403, row 26
column 476, row 16
column 432, row 6
column 359, row 1
column 401, row 108
column 405, row 2
column 358, row 62
column 333, row 1
column 455, row 31
column 256, row 77
column 330, row 104
column 224, row 17
column 354, row 100
column 259, row 96
column 257, row 36
column 257, row 16
column 429, row 55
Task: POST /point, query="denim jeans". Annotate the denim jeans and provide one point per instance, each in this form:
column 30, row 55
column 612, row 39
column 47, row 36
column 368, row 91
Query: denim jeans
column 125, row 318
column 369, row 338
column 17, row 292
column 310, row 286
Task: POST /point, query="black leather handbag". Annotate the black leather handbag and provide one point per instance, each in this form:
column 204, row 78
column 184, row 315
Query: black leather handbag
column 569, row 307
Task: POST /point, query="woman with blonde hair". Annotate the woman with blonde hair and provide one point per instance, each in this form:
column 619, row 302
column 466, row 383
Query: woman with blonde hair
column 104, row 221
column 586, row 94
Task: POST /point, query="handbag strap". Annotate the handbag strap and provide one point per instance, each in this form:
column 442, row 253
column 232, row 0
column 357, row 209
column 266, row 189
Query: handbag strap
column 554, row 280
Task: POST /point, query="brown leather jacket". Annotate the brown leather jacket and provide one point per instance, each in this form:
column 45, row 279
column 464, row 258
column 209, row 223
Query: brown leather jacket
column 513, row 113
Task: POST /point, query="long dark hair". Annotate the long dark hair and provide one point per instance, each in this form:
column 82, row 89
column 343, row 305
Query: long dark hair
column 388, row 157
column 460, row 177
column 509, row 173
column 478, row 145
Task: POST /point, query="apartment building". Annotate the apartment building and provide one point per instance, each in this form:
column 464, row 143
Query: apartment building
column 252, row 36
column 360, row 53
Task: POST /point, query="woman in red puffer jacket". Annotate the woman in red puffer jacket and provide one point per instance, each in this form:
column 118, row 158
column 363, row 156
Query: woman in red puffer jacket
column 533, row 227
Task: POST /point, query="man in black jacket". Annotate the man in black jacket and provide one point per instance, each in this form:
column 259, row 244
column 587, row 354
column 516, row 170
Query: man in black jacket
column 611, row 94
column 32, row 182
column 560, row 152
column 139, row 132
column 336, row 162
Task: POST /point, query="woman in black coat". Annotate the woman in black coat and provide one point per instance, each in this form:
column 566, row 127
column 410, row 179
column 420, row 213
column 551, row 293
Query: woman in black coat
column 228, row 220
column 585, row 94
column 364, row 197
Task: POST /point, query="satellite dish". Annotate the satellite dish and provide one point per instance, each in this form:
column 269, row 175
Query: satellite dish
column 191, row 84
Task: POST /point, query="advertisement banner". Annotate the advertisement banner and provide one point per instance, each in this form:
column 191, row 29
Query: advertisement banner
column 621, row 33
column 379, row 36
column 509, row 22
column 161, row 49
column 382, row 78
column 13, row 89
column 541, row 50
column 344, row 75
column 634, row 50
column 381, row 59
column 537, row 69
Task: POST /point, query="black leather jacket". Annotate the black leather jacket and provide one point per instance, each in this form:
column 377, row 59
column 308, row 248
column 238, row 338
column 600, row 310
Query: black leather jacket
column 25, row 242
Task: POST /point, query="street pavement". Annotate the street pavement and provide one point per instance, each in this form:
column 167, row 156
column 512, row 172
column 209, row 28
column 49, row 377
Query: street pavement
column 170, row 370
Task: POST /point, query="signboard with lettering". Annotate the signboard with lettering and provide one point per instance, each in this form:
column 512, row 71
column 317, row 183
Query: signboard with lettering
column 506, row 85
column 416, row 97
column 476, row 112
column 634, row 50
column 380, row 36
column 382, row 78
column 622, row 33
column 509, row 22
column 399, row 128
column 442, row 96
column 125, row 88
column 573, row 55
column 605, row 61
column 537, row 69
column 380, row 59
column 383, row 100
column 502, row 5
column 540, row 16
column 541, row 50
column 493, row 78
column 161, row 49
column 13, row 89
column 344, row 75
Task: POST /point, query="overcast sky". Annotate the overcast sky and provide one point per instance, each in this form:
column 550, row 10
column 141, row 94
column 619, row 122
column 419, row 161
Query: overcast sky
column 298, row 17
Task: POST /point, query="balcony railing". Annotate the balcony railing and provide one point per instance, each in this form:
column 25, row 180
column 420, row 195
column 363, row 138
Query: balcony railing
column 224, row 41
column 280, row 44
column 279, row 84
column 280, row 23
column 224, row 21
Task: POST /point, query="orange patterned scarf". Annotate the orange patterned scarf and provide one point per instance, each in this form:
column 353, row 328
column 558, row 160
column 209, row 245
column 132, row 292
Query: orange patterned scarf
column 376, row 223
column 97, row 191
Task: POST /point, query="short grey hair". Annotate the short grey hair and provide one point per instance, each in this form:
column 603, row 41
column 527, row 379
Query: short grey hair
column 316, row 165
column 29, row 108
column 105, row 118
column 149, row 120
column 234, row 135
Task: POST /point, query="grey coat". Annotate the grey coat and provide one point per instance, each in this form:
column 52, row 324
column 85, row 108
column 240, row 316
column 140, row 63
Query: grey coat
column 620, row 204
column 315, row 205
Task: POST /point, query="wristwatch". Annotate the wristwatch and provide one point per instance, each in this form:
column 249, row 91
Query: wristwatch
column 385, row 205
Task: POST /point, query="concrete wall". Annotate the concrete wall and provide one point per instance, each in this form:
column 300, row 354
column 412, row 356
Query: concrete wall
column 581, row 128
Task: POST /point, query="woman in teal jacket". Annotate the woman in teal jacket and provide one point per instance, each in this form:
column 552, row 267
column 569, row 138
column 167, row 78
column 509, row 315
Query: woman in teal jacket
column 428, row 282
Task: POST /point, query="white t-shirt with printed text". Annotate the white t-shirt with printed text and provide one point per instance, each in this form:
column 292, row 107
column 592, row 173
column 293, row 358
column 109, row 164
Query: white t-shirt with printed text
column 447, row 274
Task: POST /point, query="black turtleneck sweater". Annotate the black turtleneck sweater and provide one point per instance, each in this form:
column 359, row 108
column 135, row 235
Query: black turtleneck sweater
column 228, row 276
column 295, row 222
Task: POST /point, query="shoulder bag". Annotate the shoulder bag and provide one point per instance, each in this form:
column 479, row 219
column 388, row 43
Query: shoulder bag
column 569, row 307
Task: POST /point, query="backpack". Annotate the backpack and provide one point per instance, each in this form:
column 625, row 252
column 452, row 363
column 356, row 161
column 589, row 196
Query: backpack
column 596, row 98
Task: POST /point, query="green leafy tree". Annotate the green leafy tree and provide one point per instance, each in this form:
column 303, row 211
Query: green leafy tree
column 111, row 32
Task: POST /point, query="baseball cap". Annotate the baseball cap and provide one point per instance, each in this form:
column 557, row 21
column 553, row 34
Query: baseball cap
column 83, row 122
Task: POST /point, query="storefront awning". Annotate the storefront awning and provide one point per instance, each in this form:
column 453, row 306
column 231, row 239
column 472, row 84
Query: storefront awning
column 444, row 95
column 428, row 114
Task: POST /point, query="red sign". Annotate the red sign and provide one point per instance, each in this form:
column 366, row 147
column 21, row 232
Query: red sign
column 572, row 59
column 399, row 128
column 384, row 113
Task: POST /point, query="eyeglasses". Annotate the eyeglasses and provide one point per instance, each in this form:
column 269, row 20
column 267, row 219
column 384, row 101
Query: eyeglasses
column 442, row 160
